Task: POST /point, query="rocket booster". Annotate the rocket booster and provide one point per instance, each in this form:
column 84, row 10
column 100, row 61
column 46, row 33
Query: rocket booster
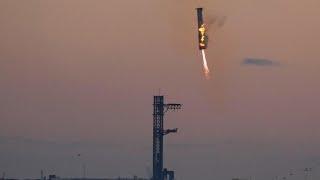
column 200, row 16
column 203, row 38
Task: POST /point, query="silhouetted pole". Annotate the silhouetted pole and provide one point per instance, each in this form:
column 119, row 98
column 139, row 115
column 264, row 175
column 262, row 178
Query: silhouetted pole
column 84, row 171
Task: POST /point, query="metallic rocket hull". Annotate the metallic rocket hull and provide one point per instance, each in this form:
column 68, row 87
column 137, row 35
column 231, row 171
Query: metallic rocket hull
column 200, row 16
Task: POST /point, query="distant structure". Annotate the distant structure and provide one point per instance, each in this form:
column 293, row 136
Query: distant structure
column 41, row 175
column 84, row 171
column 159, row 109
column 241, row 178
column 54, row 177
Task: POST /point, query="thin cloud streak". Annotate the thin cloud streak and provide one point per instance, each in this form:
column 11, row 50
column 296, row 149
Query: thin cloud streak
column 260, row 62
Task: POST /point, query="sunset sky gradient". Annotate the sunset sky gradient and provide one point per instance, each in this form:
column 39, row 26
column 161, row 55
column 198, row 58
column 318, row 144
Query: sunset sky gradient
column 78, row 76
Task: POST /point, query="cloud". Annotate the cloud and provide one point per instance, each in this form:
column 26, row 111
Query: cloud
column 260, row 62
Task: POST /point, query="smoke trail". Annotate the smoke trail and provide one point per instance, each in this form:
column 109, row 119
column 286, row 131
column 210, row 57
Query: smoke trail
column 205, row 65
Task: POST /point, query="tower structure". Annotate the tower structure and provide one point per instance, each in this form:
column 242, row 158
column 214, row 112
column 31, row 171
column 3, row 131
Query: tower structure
column 159, row 109
column 41, row 175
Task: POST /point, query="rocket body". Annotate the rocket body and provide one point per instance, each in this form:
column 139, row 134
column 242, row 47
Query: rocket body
column 202, row 34
column 200, row 16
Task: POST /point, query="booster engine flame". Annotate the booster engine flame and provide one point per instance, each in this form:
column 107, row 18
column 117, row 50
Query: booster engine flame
column 205, row 65
column 203, row 37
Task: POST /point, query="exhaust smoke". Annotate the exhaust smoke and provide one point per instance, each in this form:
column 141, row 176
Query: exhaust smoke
column 205, row 65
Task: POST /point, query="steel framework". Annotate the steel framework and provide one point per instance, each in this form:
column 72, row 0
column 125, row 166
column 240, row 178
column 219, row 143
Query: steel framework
column 159, row 109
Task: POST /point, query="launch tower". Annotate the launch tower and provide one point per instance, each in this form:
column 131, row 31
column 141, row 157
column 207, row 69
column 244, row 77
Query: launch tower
column 159, row 109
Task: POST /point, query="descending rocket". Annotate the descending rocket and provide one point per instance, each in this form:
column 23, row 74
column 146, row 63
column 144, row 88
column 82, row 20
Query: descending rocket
column 203, row 38
column 203, row 42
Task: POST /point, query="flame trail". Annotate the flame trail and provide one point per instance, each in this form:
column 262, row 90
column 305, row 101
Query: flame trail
column 205, row 65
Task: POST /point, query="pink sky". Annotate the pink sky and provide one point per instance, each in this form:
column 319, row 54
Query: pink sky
column 85, row 71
